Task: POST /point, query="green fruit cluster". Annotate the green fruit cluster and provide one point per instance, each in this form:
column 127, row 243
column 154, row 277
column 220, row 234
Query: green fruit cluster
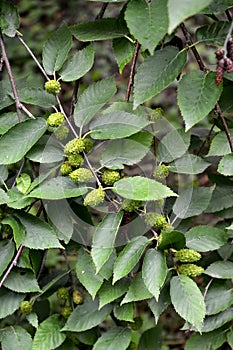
column 110, row 176
column 155, row 220
column 190, row 270
column 161, row 172
column 25, row 307
column 81, row 175
column 94, row 197
column 187, row 255
column 63, row 294
column 157, row 114
column 66, row 168
column 66, row 311
column 52, row 86
column 55, row 119
column 77, row 297
column 74, row 146
column 75, row 160
column 130, row 205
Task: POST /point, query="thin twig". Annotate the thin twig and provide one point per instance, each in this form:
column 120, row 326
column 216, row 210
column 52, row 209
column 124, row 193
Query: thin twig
column 102, row 10
column 27, row 112
column 13, row 263
column 19, row 172
column 92, row 170
column 66, row 118
column 9, row 71
column 42, row 265
column 226, row 129
column 207, row 287
column 132, row 71
column 203, row 143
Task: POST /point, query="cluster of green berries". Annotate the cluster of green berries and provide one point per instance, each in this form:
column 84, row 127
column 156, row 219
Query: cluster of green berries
column 52, row 86
column 66, row 311
column 62, row 294
column 80, row 175
column 158, row 221
column 55, row 119
column 157, row 114
column 110, row 176
column 74, row 146
column 187, row 255
column 161, row 172
column 190, row 270
column 130, row 205
column 25, row 307
column 94, row 197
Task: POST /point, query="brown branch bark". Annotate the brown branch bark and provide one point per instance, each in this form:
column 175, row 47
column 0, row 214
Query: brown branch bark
column 132, row 71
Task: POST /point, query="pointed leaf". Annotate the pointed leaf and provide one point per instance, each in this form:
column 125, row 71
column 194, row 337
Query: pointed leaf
column 137, row 290
column 157, row 307
column 9, row 19
column 188, row 300
column 33, row 319
column 154, row 260
column 117, row 125
column 205, row 238
column 207, row 341
column 15, row 337
column 165, row 64
column 109, row 292
column 220, row 269
column 189, row 164
column 124, row 312
column 116, row 338
column 20, row 138
column 147, row 22
column 48, row 335
column 199, row 98
column 87, row 316
column 56, row 49
column 173, row 145
column 92, row 100
column 123, row 50
column 9, row 302
column 7, row 249
column 23, row 182
column 104, row 239
column 78, row 65
column 129, row 257
column 85, row 270
column 142, row 188
column 22, row 283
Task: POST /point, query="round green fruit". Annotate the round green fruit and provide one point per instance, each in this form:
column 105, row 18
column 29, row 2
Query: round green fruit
column 55, row 119
column 74, row 146
column 94, row 197
column 190, row 270
column 81, row 175
column 25, row 307
column 52, row 86
column 63, row 294
column 77, row 297
column 130, row 205
column 110, row 176
column 75, row 160
column 187, row 255
column 66, row 168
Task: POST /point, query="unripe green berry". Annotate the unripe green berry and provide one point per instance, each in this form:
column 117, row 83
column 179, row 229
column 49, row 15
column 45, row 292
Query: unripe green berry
column 161, row 172
column 81, row 175
column 130, row 205
column 25, row 307
column 61, row 132
column 66, row 311
column 137, row 324
column 74, row 146
column 110, row 176
column 75, row 160
column 156, row 220
column 66, row 168
column 94, row 197
column 55, row 119
column 190, row 270
column 157, row 114
column 52, row 86
column 63, row 294
column 187, row 255
column 88, row 145
column 77, row 297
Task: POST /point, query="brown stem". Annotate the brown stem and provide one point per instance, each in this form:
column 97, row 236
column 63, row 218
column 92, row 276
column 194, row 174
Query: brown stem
column 9, row 71
column 13, row 263
column 227, row 12
column 102, row 10
column 226, row 129
column 132, row 71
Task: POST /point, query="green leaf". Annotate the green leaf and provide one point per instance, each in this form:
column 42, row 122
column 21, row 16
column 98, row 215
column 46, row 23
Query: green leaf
column 217, row 321
column 220, row 269
column 204, row 238
column 188, row 300
column 165, row 64
column 173, row 145
column 9, row 302
column 4, row 198
column 124, row 312
column 178, row 11
column 104, row 239
column 9, row 19
column 109, row 292
column 199, row 98
column 225, row 165
column 151, row 339
column 15, row 337
column 117, row 125
column 78, row 65
column 214, row 33
column 39, row 235
column 218, row 298
column 58, row 188
column 48, row 334
column 85, row 270
column 16, row 199
column 154, row 260
column 192, row 201
column 189, row 164
column 87, row 316
column 23, row 183
column 116, row 338
column 107, row 270
column 129, row 257
column 147, row 22
column 7, row 120
column 24, row 282
column 129, row 151
column 92, row 100
column 157, row 307
column 123, row 51
column 137, row 290
column 142, row 188
column 3, row 173
column 174, row 239
column 101, row 29
column 45, row 154
column 56, row 49
column 7, row 249
column 88, row 337
column 218, row 6
column 219, row 145
column 33, row 319
column 230, row 338
column 207, row 341
column 222, row 198
column 35, row 96
column 20, row 138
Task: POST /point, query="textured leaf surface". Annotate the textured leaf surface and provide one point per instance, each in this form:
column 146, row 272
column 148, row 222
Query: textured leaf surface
column 174, row 239
column 45, row 154
column 87, row 316
column 104, row 239
column 38, row 97
column 15, row 337
column 20, row 138
column 173, row 145
column 222, row 198
column 220, row 269
column 147, row 22
column 198, row 100
column 207, row 341
column 22, row 283
column 157, row 307
column 215, row 33
column 18, row 231
column 54, row 54
column 142, row 188
column 124, row 312
column 219, row 145
column 189, row 164
column 137, row 290
column 116, row 338
column 217, row 321
column 9, row 302
column 48, row 335
column 129, row 257
column 7, row 120
column 9, row 19
column 204, row 238
column 218, row 298
column 165, row 64
column 109, row 292
column 188, row 300
column 7, row 249
column 123, row 50
column 225, row 166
